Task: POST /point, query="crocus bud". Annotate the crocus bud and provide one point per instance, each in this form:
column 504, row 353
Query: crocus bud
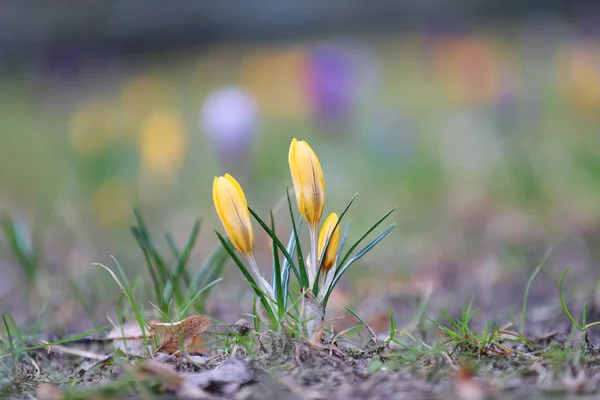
column 328, row 231
column 232, row 209
column 309, row 185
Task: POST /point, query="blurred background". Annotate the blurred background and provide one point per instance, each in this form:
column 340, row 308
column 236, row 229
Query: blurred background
column 479, row 119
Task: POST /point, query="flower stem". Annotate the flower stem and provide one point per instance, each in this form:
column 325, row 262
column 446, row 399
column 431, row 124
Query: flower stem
column 254, row 266
column 312, row 274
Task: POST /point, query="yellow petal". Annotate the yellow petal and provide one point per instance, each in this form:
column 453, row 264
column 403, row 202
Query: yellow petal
column 327, row 231
column 307, row 176
column 232, row 208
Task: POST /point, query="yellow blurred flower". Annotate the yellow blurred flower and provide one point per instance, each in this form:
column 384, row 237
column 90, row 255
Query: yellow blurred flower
column 111, row 202
column 579, row 76
column 232, row 209
column 309, row 185
column 92, row 126
column 326, row 232
column 276, row 78
column 162, row 143
column 142, row 96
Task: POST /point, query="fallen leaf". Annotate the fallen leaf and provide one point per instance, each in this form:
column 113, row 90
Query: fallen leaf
column 128, row 330
column 171, row 335
column 197, row 346
column 154, row 371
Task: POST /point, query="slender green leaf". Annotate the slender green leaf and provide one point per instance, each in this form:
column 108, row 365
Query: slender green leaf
column 301, row 274
column 277, row 272
column 291, row 247
column 343, row 241
column 263, row 298
column 186, row 308
column 528, row 287
column 157, row 285
column 392, row 330
column 361, row 253
column 562, row 300
column 172, row 246
column 355, row 245
column 217, row 257
column 273, row 236
column 322, row 255
column 182, row 261
column 66, row 340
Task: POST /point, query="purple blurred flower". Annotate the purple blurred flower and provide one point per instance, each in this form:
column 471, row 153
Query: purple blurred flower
column 331, row 83
column 230, row 118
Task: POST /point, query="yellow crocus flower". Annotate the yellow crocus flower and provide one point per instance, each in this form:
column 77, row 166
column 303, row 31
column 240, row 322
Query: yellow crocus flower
column 331, row 252
column 232, row 209
column 309, row 185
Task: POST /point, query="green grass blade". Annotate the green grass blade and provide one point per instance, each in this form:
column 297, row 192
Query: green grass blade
column 123, row 283
column 340, row 272
column 66, row 340
column 144, row 239
column 322, row 255
column 11, row 343
column 285, row 269
column 528, row 287
column 186, row 308
column 20, row 242
column 217, row 257
column 156, row 281
column 392, row 330
column 277, row 273
column 301, row 273
column 182, row 261
column 344, row 238
column 273, row 236
column 355, row 245
column 562, row 300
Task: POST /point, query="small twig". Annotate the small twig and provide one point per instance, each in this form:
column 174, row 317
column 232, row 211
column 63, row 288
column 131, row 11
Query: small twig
column 449, row 360
column 76, row 352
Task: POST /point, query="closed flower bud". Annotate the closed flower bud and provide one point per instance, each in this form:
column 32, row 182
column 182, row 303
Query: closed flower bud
column 309, row 185
column 232, row 209
column 328, row 231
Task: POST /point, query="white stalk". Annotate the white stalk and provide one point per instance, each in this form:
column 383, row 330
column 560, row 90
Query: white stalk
column 263, row 285
column 314, row 252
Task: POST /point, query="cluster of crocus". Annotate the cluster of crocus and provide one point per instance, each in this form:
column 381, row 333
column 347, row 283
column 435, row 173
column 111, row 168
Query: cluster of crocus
column 309, row 187
column 320, row 272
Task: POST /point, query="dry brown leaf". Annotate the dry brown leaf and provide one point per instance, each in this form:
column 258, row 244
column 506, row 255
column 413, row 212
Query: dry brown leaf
column 155, row 371
column 171, row 335
column 129, row 330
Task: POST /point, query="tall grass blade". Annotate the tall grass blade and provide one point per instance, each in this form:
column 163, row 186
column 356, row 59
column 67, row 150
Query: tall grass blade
column 183, row 259
column 322, row 255
column 273, row 236
column 285, row 269
column 340, row 272
column 301, row 273
column 528, row 288
column 279, row 295
column 355, row 245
